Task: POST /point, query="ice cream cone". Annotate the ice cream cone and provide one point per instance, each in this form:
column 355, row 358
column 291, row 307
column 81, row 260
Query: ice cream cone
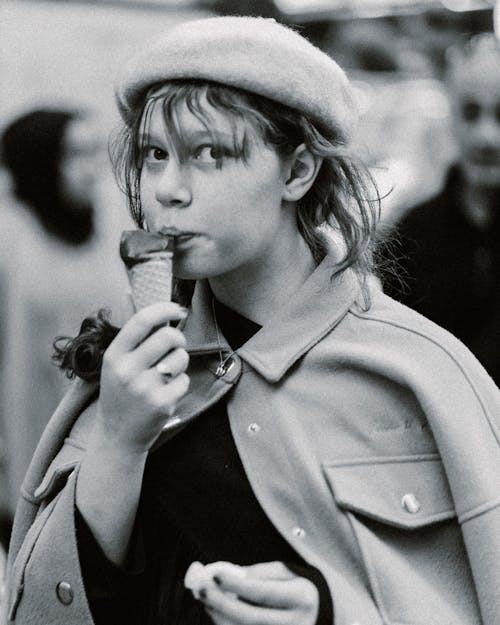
column 148, row 259
column 151, row 280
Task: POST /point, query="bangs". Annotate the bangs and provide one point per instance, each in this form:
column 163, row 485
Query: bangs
column 203, row 101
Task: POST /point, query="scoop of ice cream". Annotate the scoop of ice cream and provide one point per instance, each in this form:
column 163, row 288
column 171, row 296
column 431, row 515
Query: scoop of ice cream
column 137, row 246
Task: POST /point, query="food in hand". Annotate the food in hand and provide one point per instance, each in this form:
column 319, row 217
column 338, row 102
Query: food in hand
column 200, row 575
column 148, row 259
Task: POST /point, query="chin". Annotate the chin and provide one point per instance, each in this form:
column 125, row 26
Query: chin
column 183, row 272
column 485, row 178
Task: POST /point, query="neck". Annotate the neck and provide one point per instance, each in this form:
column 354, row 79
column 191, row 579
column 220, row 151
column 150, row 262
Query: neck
column 257, row 292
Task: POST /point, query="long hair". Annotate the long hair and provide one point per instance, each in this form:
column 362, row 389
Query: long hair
column 343, row 198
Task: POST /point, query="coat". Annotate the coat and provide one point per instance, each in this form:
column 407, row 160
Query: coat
column 370, row 437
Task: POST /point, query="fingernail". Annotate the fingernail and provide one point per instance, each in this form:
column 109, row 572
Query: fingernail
column 217, row 580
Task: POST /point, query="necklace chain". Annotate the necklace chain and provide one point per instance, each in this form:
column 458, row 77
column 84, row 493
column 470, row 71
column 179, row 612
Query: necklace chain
column 222, row 367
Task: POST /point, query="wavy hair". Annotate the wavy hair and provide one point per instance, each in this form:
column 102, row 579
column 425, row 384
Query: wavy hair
column 343, row 199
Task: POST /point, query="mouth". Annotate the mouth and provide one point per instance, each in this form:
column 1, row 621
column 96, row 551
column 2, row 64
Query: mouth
column 180, row 236
column 485, row 158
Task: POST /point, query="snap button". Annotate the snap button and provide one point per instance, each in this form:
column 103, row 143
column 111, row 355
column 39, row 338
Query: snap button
column 299, row 532
column 64, row 592
column 410, row 503
column 254, row 428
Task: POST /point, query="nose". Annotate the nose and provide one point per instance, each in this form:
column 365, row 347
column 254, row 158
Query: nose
column 173, row 188
column 487, row 130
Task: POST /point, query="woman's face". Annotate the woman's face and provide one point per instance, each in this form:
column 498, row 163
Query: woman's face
column 228, row 212
column 475, row 93
column 79, row 165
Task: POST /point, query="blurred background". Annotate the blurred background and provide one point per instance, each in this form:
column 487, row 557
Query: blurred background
column 68, row 52
column 64, row 55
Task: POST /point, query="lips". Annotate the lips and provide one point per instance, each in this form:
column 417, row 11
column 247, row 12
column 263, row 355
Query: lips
column 181, row 236
column 485, row 158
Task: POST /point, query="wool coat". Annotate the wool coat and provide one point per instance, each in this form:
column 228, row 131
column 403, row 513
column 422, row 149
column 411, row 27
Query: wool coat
column 370, row 436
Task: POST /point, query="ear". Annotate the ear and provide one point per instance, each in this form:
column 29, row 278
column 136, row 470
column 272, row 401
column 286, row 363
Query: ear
column 302, row 169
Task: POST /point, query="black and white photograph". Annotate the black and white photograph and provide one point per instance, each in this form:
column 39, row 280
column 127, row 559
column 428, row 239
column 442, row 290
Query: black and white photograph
column 250, row 312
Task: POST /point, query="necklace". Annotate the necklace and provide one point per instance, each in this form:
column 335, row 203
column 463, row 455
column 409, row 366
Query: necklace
column 225, row 362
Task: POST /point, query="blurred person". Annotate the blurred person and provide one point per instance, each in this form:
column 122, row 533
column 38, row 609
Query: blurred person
column 449, row 246
column 283, row 415
column 50, row 257
column 433, row 31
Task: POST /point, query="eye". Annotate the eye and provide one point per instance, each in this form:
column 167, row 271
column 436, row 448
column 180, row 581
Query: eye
column 471, row 111
column 152, row 153
column 208, row 153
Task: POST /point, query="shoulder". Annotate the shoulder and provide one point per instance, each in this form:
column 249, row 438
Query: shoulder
column 417, row 346
column 65, row 435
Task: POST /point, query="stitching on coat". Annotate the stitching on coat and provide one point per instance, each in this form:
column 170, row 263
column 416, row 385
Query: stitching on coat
column 478, row 511
column 491, row 423
column 383, row 460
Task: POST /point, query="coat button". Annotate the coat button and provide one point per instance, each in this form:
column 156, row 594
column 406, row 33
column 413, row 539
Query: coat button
column 64, row 592
column 410, row 503
column 254, row 428
column 299, row 532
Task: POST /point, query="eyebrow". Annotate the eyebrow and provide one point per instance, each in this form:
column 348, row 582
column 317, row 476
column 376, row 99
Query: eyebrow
column 196, row 135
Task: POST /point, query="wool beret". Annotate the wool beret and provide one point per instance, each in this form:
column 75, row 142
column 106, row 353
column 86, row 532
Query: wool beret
column 256, row 54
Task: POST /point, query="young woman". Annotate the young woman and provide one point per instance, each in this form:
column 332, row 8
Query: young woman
column 52, row 246
column 337, row 447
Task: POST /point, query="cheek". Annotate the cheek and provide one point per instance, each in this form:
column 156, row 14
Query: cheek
column 147, row 196
column 262, row 190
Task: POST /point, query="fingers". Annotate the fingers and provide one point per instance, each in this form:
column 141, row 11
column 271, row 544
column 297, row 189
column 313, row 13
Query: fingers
column 158, row 344
column 269, row 570
column 225, row 608
column 165, row 396
column 262, row 592
column 174, row 363
column 140, row 326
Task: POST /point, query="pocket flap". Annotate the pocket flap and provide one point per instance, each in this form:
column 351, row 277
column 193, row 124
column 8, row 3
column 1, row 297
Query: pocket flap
column 407, row 492
column 63, row 464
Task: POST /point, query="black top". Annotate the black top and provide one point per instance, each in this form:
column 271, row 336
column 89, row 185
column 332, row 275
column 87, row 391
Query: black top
column 196, row 504
column 449, row 270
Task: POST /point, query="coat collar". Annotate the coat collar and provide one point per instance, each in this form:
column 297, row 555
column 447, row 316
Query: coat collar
column 319, row 306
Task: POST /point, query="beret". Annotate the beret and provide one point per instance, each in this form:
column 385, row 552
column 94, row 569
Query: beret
column 256, row 54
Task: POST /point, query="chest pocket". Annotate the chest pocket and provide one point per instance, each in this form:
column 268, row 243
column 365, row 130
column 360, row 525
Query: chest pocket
column 403, row 518
column 407, row 493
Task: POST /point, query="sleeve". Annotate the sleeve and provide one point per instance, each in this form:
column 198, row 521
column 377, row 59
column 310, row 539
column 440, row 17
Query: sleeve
column 325, row 611
column 111, row 591
column 44, row 579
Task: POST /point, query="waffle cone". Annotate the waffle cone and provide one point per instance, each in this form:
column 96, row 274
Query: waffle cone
column 151, row 281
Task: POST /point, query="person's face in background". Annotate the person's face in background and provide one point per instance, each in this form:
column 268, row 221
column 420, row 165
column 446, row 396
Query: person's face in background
column 474, row 86
column 79, row 164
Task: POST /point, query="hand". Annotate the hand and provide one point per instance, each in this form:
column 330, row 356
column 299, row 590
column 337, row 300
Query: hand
column 268, row 594
column 135, row 400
